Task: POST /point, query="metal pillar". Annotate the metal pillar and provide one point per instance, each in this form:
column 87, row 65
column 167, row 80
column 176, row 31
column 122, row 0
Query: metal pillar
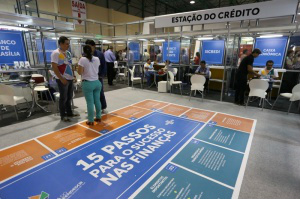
column 225, row 65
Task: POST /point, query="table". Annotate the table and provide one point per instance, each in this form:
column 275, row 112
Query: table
column 34, row 101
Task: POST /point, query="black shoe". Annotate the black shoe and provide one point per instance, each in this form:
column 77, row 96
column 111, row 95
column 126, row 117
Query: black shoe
column 74, row 115
column 65, row 119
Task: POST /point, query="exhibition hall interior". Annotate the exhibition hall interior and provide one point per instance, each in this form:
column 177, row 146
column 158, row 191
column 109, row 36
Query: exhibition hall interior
column 149, row 99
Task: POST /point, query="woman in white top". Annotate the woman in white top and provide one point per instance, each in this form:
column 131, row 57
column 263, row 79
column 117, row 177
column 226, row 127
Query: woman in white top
column 88, row 67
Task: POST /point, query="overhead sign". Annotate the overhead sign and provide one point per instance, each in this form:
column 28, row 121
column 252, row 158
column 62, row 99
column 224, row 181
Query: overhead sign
column 135, row 48
column 234, row 13
column 213, row 51
column 272, row 49
column 11, row 47
column 79, row 11
column 50, row 46
column 171, row 51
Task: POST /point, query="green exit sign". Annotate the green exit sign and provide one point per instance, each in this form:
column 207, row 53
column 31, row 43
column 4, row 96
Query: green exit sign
column 98, row 36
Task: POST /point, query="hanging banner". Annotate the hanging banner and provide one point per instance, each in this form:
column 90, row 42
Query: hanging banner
column 171, row 53
column 213, row 51
column 135, row 48
column 79, row 11
column 50, row 46
column 12, row 47
column 272, row 49
column 233, row 13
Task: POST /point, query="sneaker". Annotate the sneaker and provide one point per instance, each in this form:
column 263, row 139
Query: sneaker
column 104, row 111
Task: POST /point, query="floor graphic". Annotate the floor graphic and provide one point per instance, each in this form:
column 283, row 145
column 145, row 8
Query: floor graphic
column 151, row 149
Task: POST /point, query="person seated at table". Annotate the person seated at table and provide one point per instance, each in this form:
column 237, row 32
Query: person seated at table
column 203, row 70
column 149, row 71
column 269, row 73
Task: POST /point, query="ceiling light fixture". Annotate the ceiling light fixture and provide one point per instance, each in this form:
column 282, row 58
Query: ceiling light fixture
column 192, row 2
column 159, row 40
column 270, row 36
column 205, row 38
column 13, row 28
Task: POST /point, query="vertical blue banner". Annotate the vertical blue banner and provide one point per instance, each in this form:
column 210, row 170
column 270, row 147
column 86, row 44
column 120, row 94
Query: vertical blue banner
column 213, row 51
column 50, row 46
column 11, row 47
column 135, row 48
column 171, row 53
column 272, row 49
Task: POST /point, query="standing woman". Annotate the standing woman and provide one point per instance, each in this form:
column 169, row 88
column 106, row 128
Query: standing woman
column 88, row 67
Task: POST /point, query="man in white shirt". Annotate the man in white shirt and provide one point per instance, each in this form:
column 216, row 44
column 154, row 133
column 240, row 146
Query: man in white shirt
column 61, row 62
column 110, row 58
column 146, row 55
column 149, row 71
column 269, row 73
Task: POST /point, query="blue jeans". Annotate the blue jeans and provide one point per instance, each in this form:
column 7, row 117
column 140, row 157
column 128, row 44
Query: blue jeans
column 91, row 91
column 102, row 96
column 149, row 75
column 65, row 99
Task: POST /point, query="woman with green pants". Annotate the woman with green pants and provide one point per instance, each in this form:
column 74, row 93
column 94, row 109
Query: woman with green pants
column 88, row 67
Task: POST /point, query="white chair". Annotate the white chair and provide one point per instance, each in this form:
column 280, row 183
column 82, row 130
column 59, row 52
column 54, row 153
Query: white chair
column 41, row 85
column 294, row 96
column 116, row 64
column 134, row 78
column 175, row 72
column 197, row 82
column 258, row 88
column 119, row 74
column 172, row 82
column 79, row 80
column 7, row 97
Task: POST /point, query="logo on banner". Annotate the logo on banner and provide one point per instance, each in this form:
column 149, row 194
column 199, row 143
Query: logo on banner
column 43, row 195
column 67, row 195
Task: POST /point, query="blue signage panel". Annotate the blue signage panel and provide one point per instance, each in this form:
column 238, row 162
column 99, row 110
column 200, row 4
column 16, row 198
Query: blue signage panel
column 174, row 182
column 113, row 165
column 135, row 48
column 213, row 51
column 50, row 46
column 212, row 161
column 12, row 47
column 272, row 49
column 229, row 138
column 171, row 53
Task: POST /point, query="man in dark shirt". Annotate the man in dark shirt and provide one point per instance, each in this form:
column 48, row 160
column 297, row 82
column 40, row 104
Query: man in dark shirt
column 245, row 68
column 101, row 73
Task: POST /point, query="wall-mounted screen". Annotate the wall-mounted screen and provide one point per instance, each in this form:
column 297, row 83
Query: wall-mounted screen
column 11, row 47
column 171, row 53
column 213, row 51
column 272, row 49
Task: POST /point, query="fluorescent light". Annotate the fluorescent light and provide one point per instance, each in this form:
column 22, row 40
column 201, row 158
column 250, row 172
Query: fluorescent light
column 120, row 42
column 142, row 39
column 159, row 40
column 205, row 38
column 54, row 38
column 14, row 28
column 247, row 38
column 106, row 41
column 192, row 2
column 27, row 6
column 270, row 36
column 75, row 38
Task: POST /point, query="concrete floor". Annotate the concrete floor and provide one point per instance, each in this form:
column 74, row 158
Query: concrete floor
column 273, row 168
